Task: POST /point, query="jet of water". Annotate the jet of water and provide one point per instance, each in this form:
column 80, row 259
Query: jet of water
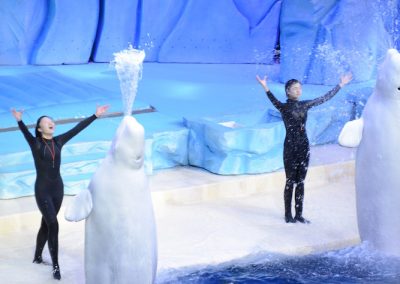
column 128, row 64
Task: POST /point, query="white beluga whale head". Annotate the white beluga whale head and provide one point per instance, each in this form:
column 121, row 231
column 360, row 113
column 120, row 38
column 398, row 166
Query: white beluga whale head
column 388, row 81
column 128, row 146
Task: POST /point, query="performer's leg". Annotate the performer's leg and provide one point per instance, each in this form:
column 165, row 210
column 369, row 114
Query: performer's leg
column 290, row 171
column 299, row 194
column 41, row 240
column 47, row 207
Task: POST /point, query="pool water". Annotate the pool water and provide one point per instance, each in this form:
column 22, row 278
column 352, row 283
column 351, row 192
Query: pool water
column 352, row 265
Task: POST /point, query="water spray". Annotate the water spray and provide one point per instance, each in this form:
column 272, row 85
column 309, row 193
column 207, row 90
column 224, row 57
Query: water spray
column 129, row 64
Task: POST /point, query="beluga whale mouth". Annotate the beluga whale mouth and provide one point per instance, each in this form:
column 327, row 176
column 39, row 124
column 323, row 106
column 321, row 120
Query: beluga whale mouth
column 138, row 162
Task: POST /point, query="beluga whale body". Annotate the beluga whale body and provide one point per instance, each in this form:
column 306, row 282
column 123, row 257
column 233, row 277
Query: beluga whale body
column 377, row 177
column 120, row 231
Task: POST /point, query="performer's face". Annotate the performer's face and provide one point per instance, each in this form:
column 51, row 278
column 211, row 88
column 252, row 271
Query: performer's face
column 294, row 91
column 47, row 126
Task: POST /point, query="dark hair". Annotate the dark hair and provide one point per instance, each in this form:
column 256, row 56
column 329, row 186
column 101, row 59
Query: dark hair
column 289, row 84
column 37, row 132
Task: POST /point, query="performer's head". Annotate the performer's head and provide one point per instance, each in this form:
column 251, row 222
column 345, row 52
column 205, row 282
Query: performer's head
column 293, row 89
column 45, row 126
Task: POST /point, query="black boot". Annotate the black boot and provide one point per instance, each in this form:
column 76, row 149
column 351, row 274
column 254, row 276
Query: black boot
column 301, row 220
column 41, row 240
column 37, row 259
column 56, row 272
column 287, row 196
column 289, row 219
column 38, row 255
column 299, row 197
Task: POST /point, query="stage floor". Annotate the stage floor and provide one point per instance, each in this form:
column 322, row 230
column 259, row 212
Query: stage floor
column 205, row 219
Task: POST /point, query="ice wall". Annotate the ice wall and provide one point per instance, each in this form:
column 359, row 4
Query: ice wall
column 20, row 26
column 117, row 27
column 67, row 34
column 223, row 31
column 72, row 32
column 228, row 148
column 318, row 38
column 47, row 32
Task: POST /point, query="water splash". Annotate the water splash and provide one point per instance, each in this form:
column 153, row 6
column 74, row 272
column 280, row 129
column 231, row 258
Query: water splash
column 389, row 12
column 334, row 57
column 148, row 43
column 129, row 64
column 359, row 264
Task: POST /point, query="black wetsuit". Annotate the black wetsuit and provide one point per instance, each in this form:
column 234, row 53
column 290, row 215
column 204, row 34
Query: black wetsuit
column 49, row 187
column 296, row 150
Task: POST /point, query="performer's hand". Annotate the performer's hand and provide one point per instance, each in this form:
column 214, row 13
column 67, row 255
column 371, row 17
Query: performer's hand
column 263, row 82
column 345, row 79
column 17, row 114
column 100, row 110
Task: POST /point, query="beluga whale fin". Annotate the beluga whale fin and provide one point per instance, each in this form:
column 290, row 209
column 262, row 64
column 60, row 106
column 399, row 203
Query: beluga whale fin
column 80, row 207
column 351, row 134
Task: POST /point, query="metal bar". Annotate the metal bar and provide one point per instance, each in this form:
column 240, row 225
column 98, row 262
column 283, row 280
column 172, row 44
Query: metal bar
column 69, row 120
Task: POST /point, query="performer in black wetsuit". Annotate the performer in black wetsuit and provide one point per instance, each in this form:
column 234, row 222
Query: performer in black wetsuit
column 296, row 150
column 49, row 187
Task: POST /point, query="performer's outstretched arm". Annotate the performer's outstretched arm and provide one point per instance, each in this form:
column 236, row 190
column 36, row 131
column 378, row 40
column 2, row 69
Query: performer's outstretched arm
column 272, row 98
column 28, row 136
column 64, row 138
column 344, row 80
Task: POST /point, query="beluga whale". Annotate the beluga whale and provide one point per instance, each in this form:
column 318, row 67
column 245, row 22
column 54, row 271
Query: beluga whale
column 120, row 228
column 377, row 164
